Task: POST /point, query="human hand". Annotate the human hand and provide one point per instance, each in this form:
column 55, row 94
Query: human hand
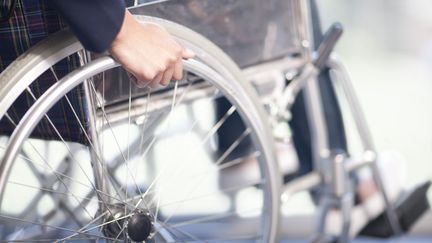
column 148, row 52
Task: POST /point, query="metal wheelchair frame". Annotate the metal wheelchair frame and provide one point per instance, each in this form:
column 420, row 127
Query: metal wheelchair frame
column 331, row 170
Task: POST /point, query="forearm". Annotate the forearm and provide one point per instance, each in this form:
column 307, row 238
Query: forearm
column 96, row 23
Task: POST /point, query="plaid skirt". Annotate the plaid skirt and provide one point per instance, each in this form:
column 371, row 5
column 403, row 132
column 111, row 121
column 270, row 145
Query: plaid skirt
column 30, row 22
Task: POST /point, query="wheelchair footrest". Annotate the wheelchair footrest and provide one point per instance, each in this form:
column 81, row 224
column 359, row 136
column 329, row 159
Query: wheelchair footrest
column 410, row 206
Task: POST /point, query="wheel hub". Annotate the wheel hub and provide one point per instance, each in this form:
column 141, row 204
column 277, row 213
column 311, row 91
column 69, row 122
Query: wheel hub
column 114, row 222
column 138, row 227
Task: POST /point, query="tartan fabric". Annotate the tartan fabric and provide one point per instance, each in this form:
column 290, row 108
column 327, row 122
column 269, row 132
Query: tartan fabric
column 6, row 7
column 32, row 21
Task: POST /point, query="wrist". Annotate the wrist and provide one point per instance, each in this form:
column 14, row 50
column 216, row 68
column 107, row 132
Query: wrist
column 128, row 23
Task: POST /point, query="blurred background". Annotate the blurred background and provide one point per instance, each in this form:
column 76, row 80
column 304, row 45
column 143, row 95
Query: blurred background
column 387, row 48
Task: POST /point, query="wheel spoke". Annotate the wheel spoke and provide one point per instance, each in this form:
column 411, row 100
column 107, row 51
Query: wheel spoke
column 223, row 190
column 115, row 138
column 47, row 190
column 130, row 184
column 213, row 217
column 73, row 158
column 153, row 183
column 85, row 230
column 99, row 160
column 62, row 175
column 69, row 151
column 51, row 226
column 187, row 234
column 208, row 136
column 220, row 160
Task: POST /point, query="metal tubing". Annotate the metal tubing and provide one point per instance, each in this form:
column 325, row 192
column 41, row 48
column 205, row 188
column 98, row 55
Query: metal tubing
column 56, row 91
column 344, row 81
column 339, row 179
column 95, row 152
column 317, row 126
column 326, row 204
column 312, row 96
column 365, row 136
column 302, row 183
column 31, row 118
column 287, row 98
column 60, row 44
column 354, row 165
column 313, row 103
column 346, row 204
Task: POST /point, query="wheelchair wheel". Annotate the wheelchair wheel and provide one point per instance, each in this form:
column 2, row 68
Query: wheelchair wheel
column 146, row 168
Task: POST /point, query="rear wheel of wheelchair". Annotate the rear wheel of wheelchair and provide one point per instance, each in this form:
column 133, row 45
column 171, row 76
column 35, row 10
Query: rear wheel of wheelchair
column 130, row 164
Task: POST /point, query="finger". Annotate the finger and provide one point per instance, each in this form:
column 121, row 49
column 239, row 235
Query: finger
column 167, row 76
column 139, row 80
column 187, row 53
column 178, row 70
column 142, row 83
column 155, row 82
column 133, row 79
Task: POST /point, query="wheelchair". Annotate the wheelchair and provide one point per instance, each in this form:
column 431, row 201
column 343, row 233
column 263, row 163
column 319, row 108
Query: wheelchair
column 92, row 158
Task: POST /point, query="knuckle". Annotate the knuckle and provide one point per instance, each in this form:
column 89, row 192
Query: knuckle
column 156, row 69
column 171, row 60
column 176, row 49
column 161, row 68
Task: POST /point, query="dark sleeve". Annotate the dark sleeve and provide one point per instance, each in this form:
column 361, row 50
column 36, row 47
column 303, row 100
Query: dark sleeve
column 94, row 22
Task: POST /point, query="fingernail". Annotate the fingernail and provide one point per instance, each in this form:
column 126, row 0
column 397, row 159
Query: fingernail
column 189, row 53
column 142, row 85
column 155, row 86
